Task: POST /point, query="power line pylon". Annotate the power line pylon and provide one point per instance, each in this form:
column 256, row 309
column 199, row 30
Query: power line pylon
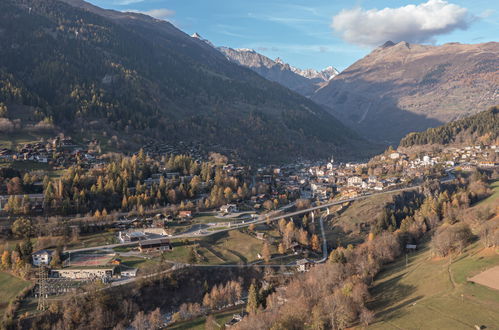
column 42, row 288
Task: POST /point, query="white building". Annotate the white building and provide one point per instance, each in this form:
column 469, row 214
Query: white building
column 229, row 208
column 354, row 181
column 394, row 155
column 42, row 257
column 129, row 272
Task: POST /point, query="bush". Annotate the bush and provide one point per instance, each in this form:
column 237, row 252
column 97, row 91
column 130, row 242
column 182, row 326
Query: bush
column 451, row 239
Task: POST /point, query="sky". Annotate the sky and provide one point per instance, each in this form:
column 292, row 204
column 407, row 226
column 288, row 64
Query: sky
column 320, row 33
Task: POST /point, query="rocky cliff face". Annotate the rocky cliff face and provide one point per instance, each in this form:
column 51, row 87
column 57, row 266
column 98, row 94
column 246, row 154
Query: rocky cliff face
column 400, row 88
column 305, row 82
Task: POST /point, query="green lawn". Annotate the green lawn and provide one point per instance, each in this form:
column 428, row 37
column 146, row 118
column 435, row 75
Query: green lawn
column 198, row 323
column 492, row 200
column 90, row 240
column 230, row 247
column 207, row 218
column 12, row 140
column 234, row 246
column 430, row 294
column 10, row 287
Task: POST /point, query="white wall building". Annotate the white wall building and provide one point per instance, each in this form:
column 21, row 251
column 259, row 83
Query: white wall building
column 42, row 257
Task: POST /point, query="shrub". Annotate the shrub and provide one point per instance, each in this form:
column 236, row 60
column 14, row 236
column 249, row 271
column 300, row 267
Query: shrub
column 451, row 239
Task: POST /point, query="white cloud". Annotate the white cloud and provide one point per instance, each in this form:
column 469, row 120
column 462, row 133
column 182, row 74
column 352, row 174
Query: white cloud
column 487, row 13
column 411, row 23
column 160, row 13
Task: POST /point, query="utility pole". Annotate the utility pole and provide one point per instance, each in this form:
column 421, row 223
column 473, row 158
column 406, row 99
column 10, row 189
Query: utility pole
column 42, row 288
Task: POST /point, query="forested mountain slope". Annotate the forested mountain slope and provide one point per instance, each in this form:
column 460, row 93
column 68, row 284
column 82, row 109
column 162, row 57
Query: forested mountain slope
column 482, row 127
column 134, row 78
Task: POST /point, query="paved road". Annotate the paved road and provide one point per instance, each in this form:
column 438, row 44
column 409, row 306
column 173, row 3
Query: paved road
column 273, row 216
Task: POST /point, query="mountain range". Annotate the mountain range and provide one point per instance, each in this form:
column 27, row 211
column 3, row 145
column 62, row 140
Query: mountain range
column 305, row 82
column 129, row 78
column 396, row 89
column 302, row 81
column 401, row 88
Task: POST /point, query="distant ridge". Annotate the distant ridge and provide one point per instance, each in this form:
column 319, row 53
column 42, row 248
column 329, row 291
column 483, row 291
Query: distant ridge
column 401, row 88
column 305, row 82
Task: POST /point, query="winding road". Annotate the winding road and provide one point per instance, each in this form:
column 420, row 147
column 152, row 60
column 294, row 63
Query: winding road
column 274, row 216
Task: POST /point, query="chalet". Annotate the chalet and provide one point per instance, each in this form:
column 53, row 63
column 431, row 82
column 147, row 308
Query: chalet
column 160, row 244
column 42, row 257
column 185, row 214
column 303, row 265
column 236, row 318
column 229, row 208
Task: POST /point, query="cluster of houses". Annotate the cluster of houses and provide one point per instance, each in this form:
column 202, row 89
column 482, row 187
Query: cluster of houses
column 59, row 151
column 321, row 181
column 157, row 148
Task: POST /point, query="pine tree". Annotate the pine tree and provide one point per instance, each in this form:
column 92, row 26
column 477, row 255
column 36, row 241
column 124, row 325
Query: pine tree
column 252, row 305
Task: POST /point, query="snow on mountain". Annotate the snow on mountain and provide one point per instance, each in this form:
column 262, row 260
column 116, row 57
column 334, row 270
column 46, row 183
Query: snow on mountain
column 305, row 82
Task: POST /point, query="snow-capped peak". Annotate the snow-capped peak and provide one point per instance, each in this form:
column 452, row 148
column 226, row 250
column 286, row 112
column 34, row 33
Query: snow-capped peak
column 247, row 50
column 196, row 35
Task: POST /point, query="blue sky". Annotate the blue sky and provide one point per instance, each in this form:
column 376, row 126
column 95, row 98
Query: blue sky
column 302, row 32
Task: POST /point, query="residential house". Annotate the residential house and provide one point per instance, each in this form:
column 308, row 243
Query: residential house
column 42, row 257
column 354, row 181
column 229, row 208
column 303, row 265
column 153, row 245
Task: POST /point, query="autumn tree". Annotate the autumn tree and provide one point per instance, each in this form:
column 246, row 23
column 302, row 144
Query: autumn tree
column 211, row 323
column 6, row 261
column 315, row 243
column 155, row 319
column 281, row 248
column 22, row 228
column 266, row 255
column 252, row 305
